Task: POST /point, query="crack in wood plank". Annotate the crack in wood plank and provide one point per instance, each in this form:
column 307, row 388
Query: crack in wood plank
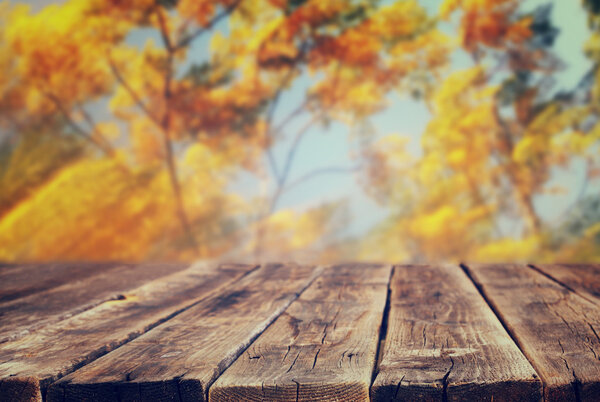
column 541, row 312
column 108, row 326
column 444, row 343
column 257, row 301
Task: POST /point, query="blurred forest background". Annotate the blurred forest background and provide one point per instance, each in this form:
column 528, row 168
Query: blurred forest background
column 309, row 130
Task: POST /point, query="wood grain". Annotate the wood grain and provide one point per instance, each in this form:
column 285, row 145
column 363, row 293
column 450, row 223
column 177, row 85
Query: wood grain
column 322, row 348
column 80, row 292
column 444, row 343
column 181, row 358
column 56, row 350
column 583, row 279
column 24, row 389
column 20, row 280
column 555, row 328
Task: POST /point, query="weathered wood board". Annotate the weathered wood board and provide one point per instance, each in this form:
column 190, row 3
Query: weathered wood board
column 555, row 328
column 444, row 343
column 34, row 361
column 22, row 280
column 76, row 292
column 120, row 332
column 180, row 359
column 322, row 348
column 583, row 279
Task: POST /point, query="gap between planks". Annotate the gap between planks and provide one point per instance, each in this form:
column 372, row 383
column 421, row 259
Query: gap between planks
column 576, row 288
column 385, row 315
column 510, row 333
column 139, row 369
column 381, row 334
column 383, row 329
column 562, row 313
column 451, row 362
column 59, row 362
column 324, row 347
column 467, row 272
column 66, row 290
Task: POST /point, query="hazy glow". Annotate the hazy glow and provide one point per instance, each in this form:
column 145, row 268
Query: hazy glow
column 266, row 129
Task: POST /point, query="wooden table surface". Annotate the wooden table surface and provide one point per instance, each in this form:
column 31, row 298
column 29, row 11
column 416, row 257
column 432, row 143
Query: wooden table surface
column 234, row 332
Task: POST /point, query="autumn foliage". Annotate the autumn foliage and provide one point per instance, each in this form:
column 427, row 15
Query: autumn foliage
column 117, row 148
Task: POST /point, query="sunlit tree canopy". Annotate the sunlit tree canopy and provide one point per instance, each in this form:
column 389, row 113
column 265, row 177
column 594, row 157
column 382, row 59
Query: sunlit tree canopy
column 313, row 130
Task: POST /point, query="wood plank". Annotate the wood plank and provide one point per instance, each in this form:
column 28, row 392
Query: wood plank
column 24, row 315
column 554, row 327
column 181, row 358
column 583, row 279
column 20, row 280
column 445, row 343
column 322, row 348
column 56, row 350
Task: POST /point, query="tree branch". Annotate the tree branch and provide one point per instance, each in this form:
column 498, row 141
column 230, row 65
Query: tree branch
column 292, row 151
column 322, row 171
column 269, row 120
column 165, row 124
column 105, row 148
column 136, row 98
column 164, row 32
column 295, row 113
column 288, row 161
column 90, row 121
column 185, row 41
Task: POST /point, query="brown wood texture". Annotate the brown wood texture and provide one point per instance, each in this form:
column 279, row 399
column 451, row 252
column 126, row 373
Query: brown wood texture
column 180, row 359
column 322, row 348
column 23, row 389
column 20, row 280
column 77, row 290
column 555, row 328
column 583, row 279
column 444, row 343
column 56, row 350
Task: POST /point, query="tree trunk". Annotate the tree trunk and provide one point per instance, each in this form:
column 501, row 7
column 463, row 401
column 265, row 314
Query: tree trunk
column 169, row 155
column 176, row 187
